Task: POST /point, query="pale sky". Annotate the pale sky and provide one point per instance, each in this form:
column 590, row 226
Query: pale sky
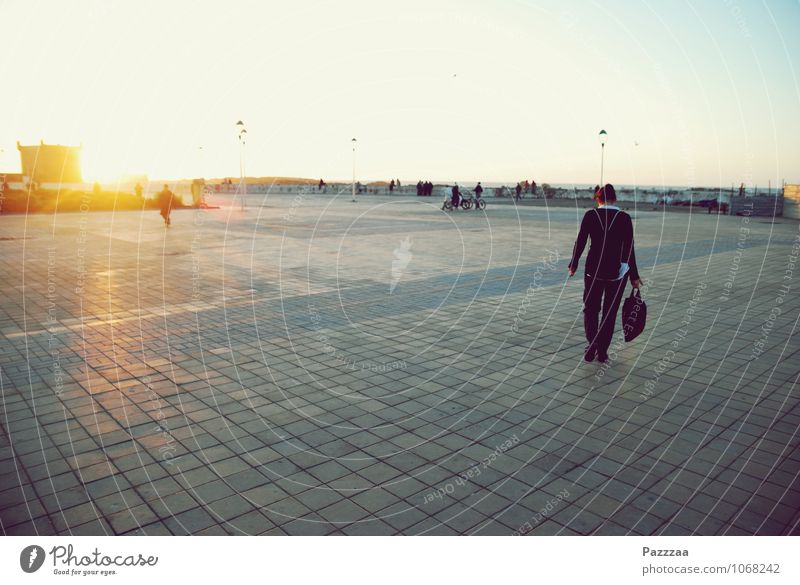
column 446, row 90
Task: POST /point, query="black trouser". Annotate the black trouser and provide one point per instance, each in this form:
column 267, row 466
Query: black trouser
column 601, row 299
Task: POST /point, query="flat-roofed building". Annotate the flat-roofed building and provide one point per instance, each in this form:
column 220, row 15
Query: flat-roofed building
column 51, row 163
column 791, row 201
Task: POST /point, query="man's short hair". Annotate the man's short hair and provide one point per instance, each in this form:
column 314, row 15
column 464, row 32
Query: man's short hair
column 606, row 194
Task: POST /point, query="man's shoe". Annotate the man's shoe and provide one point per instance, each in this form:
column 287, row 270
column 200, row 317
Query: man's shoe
column 589, row 354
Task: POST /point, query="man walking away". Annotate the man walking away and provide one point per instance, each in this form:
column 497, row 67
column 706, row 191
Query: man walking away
column 519, row 190
column 611, row 260
column 165, row 204
column 478, row 192
column 455, row 196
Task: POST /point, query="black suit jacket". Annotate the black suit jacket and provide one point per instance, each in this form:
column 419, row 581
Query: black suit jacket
column 611, row 234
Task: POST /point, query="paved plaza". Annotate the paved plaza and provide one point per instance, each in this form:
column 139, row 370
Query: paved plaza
column 313, row 365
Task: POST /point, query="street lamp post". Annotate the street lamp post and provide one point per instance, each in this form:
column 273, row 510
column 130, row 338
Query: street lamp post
column 353, row 142
column 242, row 173
column 603, row 137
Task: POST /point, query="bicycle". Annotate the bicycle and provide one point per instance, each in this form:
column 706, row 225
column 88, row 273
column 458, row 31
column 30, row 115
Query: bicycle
column 447, row 204
column 469, row 202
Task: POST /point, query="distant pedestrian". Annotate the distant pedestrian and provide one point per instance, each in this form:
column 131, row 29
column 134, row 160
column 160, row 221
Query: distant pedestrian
column 420, row 188
column 429, row 189
column 164, row 199
column 518, row 189
column 455, row 196
column 533, row 188
column 391, row 186
column 478, row 192
column 609, row 264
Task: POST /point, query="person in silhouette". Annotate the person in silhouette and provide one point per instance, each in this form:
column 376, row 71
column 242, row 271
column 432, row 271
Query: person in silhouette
column 391, row 186
column 518, row 189
column 165, row 204
column 478, row 192
column 455, row 196
column 609, row 264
